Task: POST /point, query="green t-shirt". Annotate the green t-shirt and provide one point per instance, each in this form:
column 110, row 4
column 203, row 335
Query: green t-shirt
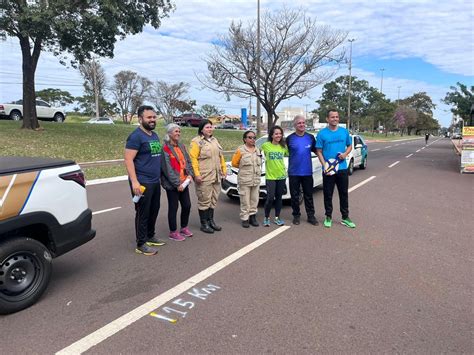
column 274, row 163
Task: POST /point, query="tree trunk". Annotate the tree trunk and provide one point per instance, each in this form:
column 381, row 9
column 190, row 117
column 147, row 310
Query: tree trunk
column 30, row 119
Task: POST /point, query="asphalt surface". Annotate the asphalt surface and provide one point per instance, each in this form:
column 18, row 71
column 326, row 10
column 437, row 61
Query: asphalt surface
column 401, row 282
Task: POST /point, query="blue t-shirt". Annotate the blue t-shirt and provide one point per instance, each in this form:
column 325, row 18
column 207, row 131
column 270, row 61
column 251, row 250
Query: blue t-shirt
column 334, row 142
column 148, row 159
column 299, row 148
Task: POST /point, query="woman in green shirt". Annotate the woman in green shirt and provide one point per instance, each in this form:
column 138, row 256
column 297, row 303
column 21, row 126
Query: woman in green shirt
column 275, row 173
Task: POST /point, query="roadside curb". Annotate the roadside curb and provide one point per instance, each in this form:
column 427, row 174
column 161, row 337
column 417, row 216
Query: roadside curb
column 107, row 180
column 457, row 146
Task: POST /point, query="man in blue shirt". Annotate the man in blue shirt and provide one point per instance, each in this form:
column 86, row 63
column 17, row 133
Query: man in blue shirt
column 300, row 169
column 143, row 162
column 333, row 145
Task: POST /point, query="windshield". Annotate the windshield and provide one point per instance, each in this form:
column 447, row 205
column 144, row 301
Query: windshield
column 260, row 141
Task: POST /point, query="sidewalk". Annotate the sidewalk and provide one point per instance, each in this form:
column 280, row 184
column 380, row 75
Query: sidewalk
column 457, row 143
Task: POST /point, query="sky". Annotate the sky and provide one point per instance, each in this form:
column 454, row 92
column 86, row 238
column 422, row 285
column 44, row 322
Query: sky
column 421, row 45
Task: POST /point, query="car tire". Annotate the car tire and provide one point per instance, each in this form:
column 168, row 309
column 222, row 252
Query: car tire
column 351, row 167
column 58, row 117
column 25, row 271
column 363, row 165
column 15, row 115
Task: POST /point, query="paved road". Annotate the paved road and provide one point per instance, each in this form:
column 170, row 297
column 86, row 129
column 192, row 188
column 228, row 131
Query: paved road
column 400, row 282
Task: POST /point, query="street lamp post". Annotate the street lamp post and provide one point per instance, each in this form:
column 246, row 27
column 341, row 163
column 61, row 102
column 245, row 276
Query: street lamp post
column 259, row 120
column 381, row 80
column 350, row 87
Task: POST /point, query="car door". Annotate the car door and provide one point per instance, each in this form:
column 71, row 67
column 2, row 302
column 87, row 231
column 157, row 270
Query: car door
column 357, row 150
column 317, row 170
column 42, row 109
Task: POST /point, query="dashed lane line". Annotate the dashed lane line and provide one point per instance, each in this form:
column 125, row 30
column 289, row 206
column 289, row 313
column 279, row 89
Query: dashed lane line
column 418, row 151
column 129, row 318
column 107, row 210
column 392, row 165
column 361, row 183
column 374, row 150
column 409, row 155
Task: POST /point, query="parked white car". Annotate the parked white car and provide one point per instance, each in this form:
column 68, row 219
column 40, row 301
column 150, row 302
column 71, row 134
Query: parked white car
column 230, row 188
column 356, row 158
column 44, row 111
column 101, row 120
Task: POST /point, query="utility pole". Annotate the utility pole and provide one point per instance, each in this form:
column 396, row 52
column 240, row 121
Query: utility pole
column 350, row 87
column 381, row 80
column 259, row 114
column 96, row 88
column 306, row 111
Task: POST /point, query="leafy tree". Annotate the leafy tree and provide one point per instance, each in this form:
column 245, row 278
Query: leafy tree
column 210, row 110
column 55, row 97
column 294, row 49
column 381, row 110
column 404, row 118
column 130, row 91
column 87, row 106
column 335, row 95
column 170, row 98
column 462, row 98
column 424, row 106
column 79, row 28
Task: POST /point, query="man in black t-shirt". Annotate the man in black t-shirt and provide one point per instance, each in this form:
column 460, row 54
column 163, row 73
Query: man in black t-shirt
column 143, row 162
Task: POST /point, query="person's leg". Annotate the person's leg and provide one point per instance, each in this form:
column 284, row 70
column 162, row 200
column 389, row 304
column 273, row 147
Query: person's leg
column 328, row 190
column 307, row 183
column 295, row 182
column 254, row 195
column 173, row 199
column 271, row 186
column 154, row 209
column 216, row 189
column 204, row 201
column 280, row 185
column 185, row 202
column 342, row 183
column 244, row 194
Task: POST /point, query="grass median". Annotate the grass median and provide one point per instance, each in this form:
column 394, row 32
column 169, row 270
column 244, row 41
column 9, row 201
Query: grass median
column 84, row 142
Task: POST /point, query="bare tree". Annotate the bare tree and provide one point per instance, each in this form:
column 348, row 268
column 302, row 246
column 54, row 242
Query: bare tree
column 167, row 97
column 94, row 82
column 294, row 49
column 130, row 91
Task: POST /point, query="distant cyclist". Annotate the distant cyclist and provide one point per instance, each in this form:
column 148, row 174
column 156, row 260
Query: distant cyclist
column 427, row 136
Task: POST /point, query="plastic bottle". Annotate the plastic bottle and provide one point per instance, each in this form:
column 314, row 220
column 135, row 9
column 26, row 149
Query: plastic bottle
column 186, row 182
column 137, row 198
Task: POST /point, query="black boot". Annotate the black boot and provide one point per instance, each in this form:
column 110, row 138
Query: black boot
column 204, row 216
column 253, row 220
column 213, row 224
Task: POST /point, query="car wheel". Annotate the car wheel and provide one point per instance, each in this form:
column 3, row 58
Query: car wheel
column 58, row 117
column 25, row 270
column 364, row 164
column 15, row 115
column 351, row 167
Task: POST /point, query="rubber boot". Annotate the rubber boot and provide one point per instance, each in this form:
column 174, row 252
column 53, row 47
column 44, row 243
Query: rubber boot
column 253, row 220
column 204, row 216
column 213, row 224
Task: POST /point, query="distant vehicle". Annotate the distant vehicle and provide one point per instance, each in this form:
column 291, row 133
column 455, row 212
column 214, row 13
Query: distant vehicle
column 100, row 120
column 457, row 135
column 189, row 119
column 44, row 111
column 227, row 125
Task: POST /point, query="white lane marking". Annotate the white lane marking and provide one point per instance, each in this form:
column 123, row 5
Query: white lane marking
column 409, row 155
column 107, row 180
column 361, row 184
column 388, row 147
column 124, row 321
column 107, row 210
column 423, row 148
column 5, row 194
column 417, row 151
column 374, row 150
column 396, row 144
column 392, row 165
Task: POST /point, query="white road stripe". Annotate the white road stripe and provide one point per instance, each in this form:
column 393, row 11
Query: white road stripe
column 374, row 150
column 124, row 321
column 423, row 148
column 361, row 184
column 409, row 155
column 417, row 151
column 107, row 180
column 392, row 165
column 107, row 210
column 388, row 147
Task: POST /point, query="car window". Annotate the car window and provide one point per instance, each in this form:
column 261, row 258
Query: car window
column 260, row 141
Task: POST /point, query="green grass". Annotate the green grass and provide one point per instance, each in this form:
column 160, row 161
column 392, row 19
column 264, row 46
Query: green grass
column 82, row 142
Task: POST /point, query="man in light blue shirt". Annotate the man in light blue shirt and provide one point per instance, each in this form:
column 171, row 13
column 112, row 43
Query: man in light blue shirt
column 333, row 144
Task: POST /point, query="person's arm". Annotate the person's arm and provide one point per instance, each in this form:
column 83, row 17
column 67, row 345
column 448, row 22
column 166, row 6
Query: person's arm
column 223, row 166
column 194, row 151
column 130, row 154
column 313, row 145
column 319, row 153
column 348, row 145
column 236, row 158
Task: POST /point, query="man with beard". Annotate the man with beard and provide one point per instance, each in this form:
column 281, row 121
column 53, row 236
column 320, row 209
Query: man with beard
column 143, row 162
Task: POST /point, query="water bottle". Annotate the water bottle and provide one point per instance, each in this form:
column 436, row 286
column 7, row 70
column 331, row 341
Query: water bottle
column 137, row 198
